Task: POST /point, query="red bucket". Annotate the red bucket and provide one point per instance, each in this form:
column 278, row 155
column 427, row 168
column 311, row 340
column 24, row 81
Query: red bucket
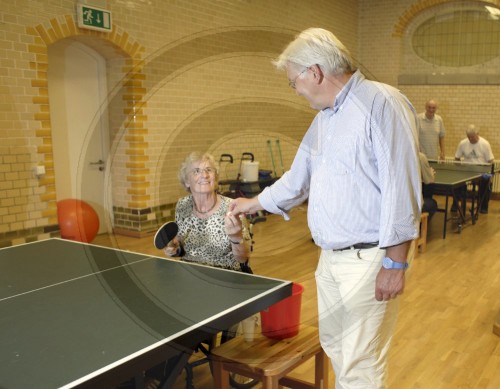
column 282, row 319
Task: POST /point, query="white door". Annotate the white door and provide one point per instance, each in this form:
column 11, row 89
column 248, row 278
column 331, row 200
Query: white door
column 79, row 121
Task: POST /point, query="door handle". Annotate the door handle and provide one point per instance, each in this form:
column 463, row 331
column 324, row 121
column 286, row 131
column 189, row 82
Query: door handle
column 99, row 163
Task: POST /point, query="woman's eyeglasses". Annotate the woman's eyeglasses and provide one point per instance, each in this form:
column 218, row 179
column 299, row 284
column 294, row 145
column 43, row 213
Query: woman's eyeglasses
column 198, row 171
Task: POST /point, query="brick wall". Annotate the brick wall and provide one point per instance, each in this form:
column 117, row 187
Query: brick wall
column 181, row 76
column 191, row 75
column 385, row 49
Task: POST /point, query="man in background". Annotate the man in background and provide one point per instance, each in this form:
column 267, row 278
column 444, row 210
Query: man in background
column 358, row 166
column 431, row 132
column 475, row 149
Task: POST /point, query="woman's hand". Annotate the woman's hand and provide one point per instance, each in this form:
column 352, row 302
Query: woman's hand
column 172, row 248
column 233, row 226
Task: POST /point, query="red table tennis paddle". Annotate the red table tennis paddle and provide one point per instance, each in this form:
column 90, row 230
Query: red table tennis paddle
column 165, row 234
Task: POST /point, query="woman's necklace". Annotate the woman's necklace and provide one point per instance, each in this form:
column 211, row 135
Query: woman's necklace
column 208, row 210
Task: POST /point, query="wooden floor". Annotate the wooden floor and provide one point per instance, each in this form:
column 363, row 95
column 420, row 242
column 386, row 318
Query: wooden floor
column 444, row 336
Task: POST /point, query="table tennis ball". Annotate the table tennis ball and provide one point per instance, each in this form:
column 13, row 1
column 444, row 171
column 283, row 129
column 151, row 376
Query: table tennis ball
column 77, row 220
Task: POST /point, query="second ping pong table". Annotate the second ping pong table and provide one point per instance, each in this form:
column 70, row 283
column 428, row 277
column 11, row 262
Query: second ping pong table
column 80, row 315
column 450, row 180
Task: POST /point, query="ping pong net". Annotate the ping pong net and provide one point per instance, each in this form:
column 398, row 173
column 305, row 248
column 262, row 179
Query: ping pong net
column 464, row 166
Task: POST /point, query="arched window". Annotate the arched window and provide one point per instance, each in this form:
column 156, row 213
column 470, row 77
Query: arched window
column 459, row 38
column 452, row 43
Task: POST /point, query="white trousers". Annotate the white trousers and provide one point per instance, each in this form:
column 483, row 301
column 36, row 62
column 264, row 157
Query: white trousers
column 355, row 329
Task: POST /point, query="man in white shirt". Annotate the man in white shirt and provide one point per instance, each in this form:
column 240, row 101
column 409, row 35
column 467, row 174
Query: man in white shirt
column 358, row 166
column 431, row 132
column 475, row 149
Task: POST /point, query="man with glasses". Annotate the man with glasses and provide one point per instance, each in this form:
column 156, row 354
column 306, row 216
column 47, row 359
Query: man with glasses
column 358, row 165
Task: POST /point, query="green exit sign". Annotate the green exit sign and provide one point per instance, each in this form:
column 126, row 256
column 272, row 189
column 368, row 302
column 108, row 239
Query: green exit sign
column 93, row 18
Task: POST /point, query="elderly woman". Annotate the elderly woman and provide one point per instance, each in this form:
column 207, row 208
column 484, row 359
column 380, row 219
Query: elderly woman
column 208, row 233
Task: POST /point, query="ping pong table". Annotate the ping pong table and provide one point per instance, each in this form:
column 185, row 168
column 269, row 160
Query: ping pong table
column 451, row 179
column 80, row 315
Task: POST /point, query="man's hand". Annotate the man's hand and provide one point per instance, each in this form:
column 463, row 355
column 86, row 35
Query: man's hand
column 389, row 284
column 244, row 206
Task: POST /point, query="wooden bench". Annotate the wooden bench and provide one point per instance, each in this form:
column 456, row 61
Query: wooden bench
column 270, row 360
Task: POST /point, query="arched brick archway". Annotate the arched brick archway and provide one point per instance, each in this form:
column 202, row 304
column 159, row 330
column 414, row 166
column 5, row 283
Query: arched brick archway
column 111, row 44
column 130, row 93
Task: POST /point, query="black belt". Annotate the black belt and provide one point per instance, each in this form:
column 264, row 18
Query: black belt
column 359, row 246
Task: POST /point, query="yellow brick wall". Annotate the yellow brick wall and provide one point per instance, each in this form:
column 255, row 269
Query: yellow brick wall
column 459, row 106
column 385, row 50
column 191, row 75
column 181, row 76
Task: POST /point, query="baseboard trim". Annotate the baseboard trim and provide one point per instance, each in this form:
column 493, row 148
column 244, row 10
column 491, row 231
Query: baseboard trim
column 133, row 234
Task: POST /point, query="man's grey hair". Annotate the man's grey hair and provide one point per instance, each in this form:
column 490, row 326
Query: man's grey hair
column 472, row 130
column 316, row 46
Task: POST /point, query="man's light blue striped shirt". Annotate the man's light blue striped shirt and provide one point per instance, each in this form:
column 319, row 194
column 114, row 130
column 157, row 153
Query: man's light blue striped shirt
column 358, row 165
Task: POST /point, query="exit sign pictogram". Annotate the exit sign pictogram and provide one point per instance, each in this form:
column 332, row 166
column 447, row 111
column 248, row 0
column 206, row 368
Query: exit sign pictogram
column 93, row 18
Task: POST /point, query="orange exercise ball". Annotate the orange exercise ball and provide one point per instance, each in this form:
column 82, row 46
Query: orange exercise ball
column 77, row 220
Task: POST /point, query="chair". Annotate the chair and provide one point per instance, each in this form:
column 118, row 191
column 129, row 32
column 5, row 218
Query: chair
column 270, row 360
column 207, row 346
column 188, row 367
column 422, row 240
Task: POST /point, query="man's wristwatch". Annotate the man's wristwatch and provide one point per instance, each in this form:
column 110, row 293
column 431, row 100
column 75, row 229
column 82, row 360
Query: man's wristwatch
column 388, row 263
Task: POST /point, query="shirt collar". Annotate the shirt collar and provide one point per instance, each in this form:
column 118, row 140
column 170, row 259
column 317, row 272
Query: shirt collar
column 355, row 79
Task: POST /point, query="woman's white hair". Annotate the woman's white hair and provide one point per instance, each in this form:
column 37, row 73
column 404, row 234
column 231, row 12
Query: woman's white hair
column 316, row 46
column 188, row 162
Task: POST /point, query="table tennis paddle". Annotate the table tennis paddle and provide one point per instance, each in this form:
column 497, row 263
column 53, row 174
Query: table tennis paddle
column 165, row 234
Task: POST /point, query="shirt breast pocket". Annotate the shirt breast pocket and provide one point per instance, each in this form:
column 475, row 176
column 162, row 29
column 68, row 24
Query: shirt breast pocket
column 343, row 156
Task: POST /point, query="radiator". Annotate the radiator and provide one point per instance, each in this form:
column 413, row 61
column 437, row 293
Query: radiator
column 496, row 179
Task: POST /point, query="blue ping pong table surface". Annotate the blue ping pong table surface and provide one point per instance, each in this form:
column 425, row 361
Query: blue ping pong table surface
column 80, row 315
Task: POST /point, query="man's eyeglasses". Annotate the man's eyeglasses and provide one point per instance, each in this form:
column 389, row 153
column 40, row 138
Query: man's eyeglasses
column 198, row 171
column 291, row 83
